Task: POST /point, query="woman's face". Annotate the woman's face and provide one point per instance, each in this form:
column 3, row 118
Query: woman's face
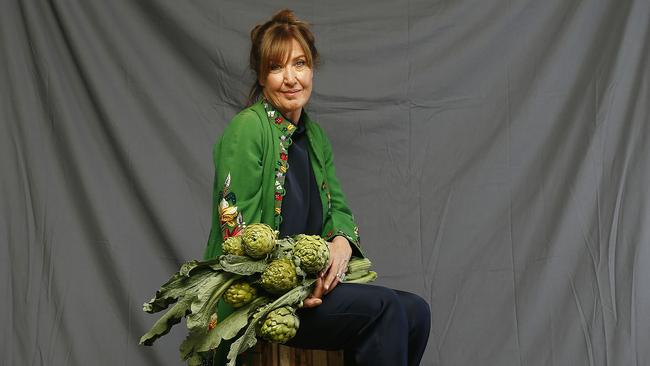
column 288, row 86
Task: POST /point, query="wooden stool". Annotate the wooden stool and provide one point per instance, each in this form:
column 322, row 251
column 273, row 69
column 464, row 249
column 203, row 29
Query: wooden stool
column 270, row 354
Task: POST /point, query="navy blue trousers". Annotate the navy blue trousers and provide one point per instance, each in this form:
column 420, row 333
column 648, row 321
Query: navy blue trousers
column 374, row 325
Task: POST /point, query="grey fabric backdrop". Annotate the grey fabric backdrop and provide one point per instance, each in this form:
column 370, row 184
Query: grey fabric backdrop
column 495, row 154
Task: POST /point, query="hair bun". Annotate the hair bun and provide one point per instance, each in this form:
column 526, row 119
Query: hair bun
column 284, row 16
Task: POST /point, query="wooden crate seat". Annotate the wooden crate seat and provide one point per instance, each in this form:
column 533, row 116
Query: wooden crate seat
column 269, row 354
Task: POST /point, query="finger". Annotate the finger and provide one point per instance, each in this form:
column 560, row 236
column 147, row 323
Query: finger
column 327, row 268
column 331, row 277
column 311, row 302
column 342, row 269
column 332, row 286
column 344, row 266
column 317, row 292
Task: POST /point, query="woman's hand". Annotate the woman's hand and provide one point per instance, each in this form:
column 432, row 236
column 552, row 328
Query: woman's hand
column 340, row 252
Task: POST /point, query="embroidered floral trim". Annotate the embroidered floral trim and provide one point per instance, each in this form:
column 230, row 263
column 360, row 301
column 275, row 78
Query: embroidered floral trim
column 287, row 128
column 230, row 218
column 333, row 233
column 327, row 193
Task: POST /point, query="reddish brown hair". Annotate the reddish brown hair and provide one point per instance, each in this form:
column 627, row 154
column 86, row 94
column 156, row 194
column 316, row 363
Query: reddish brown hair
column 271, row 43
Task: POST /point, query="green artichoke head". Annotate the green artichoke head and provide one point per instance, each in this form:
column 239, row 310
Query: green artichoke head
column 258, row 240
column 280, row 325
column 312, row 253
column 239, row 294
column 233, row 245
column 279, row 276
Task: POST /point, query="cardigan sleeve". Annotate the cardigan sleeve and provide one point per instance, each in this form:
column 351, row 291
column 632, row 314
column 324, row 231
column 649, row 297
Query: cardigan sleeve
column 340, row 220
column 237, row 197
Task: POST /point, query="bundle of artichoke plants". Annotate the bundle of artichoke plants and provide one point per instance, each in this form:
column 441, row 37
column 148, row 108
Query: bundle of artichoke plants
column 265, row 279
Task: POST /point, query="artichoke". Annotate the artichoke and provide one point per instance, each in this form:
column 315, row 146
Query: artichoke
column 279, row 276
column 233, row 245
column 312, row 253
column 239, row 294
column 280, row 325
column 258, row 240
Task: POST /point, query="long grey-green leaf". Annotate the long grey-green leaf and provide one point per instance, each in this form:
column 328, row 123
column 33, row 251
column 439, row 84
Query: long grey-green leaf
column 176, row 287
column 165, row 323
column 180, row 284
column 206, row 300
column 248, row 339
column 195, row 360
column 227, row 329
column 242, row 265
column 191, row 266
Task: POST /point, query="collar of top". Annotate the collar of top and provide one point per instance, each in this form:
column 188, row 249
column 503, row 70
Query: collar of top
column 281, row 122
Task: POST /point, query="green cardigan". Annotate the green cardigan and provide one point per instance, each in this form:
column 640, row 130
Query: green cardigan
column 250, row 165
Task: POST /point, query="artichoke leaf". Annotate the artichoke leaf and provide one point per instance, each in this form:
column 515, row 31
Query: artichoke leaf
column 301, row 274
column 242, row 265
column 188, row 267
column 225, row 330
column 195, row 360
column 285, row 244
column 177, row 286
column 206, row 300
column 166, row 322
column 283, row 248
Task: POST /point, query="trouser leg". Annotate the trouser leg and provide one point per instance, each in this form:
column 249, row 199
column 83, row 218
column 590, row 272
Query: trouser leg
column 419, row 323
column 375, row 325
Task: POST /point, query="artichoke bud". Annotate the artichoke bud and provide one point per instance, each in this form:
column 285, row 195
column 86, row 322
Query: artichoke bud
column 311, row 252
column 239, row 294
column 280, row 325
column 233, row 245
column 279, row 276
column 258, row 240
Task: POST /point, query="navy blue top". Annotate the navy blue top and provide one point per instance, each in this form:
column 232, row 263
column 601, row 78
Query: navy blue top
column 301, row 206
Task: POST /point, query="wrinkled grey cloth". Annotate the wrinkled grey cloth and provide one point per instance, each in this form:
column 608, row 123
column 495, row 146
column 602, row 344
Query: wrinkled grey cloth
column 496, row 156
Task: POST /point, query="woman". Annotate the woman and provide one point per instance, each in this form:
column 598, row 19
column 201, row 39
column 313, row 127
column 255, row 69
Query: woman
column 274, row 165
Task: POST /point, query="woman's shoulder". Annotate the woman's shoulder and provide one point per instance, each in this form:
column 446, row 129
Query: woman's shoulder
column 250, row 123
column 314, row 128
column 251, row 117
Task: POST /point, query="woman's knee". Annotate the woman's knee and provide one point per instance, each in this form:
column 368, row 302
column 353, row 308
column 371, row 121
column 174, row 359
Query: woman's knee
column 416, row 307
column 387, row 299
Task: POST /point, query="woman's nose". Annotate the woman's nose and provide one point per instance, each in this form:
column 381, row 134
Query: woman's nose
column 289, row 75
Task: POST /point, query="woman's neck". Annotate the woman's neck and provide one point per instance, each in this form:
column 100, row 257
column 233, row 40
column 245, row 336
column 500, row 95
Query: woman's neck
column 291, row 116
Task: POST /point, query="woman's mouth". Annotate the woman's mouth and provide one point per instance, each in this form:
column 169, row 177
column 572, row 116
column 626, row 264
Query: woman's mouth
column 291, row 92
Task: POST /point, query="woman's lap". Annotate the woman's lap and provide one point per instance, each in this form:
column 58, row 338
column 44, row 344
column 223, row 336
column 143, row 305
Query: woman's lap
column 348, row 311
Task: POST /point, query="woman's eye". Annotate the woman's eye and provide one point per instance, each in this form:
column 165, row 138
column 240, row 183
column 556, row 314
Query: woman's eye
column 275, row 67
column 301, row 63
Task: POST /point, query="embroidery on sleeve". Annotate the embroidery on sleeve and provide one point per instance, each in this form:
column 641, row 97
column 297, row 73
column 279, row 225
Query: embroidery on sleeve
column 231, row 219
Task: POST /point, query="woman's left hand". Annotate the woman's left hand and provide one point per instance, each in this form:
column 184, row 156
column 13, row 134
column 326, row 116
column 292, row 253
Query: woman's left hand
column 340, row 252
